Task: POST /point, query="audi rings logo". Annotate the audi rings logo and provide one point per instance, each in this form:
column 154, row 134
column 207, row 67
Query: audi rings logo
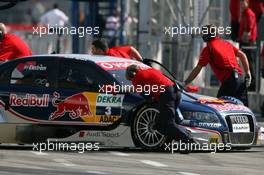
column 240, row 119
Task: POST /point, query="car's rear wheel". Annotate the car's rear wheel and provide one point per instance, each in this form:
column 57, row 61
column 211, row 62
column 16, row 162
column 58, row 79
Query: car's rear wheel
column 144, row 132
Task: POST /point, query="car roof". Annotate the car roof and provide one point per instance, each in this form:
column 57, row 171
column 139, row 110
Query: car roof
column 86, row 57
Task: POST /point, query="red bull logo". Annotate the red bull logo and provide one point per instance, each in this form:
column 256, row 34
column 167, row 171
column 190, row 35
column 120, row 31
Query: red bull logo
column 30, row 100
column 77, row 105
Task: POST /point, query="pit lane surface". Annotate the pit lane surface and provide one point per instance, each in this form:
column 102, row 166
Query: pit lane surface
column 21, row 160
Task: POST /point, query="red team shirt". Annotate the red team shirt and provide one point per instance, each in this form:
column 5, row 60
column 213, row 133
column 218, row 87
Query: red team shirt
column 151, row 77
column 119, row 51
column 222, row 58
column 12, row 47
column 248, row 24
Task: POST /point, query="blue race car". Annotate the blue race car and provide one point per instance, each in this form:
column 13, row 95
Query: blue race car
column 59, row 97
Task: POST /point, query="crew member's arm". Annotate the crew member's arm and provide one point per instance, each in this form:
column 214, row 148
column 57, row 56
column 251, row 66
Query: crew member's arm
column 242, row 56
column 203, row 61
column 6, row 53
column 250, row 24
column 135, row 54
column 193, row 74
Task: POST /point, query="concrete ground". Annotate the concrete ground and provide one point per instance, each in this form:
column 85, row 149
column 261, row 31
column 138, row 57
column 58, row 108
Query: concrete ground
column 21, row 160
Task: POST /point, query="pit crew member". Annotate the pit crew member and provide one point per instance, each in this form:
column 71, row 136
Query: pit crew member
column 11, row 46
column 167, row 96
column 100, row 47
column 221, row 55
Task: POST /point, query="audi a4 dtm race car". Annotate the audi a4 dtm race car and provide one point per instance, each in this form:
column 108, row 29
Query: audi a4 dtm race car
column 58, row 97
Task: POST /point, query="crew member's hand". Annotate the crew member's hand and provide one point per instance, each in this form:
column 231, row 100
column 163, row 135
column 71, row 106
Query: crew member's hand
column 246, row 37
column 145, row 61
column 248, row 80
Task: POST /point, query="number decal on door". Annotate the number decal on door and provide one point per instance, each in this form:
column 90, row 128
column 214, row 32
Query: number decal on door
column 108, row 111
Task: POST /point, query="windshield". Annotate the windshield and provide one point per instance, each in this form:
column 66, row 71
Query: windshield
column 120, row 76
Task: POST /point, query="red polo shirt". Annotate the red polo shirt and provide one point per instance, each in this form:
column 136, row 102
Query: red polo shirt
column 222, row 58
column 248, row 24
column 151, row 77
column 12, row 47
column 119, row 51
column 234, row 7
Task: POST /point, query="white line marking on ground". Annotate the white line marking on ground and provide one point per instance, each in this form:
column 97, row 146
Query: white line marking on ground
column 39, row 153
column 116, row 153
column 64, row 162
column 153, row 163
column 95, row 172
column 186, row 173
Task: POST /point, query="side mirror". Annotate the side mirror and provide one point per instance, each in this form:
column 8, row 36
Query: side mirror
column 192, row 89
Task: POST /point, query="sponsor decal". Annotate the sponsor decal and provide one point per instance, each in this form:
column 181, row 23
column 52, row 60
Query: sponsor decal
column 29, row 100
column 77, row 105
column 104, row 100
column 108, row 119
column 221, row 105
column 119, row 65
column 229, row 107
column 109, row 105
column 90, row 107
column 241, row 128
column 210, row 125
column 214, row 140
column 35, row 67
column 103, row 134
column 210, row 100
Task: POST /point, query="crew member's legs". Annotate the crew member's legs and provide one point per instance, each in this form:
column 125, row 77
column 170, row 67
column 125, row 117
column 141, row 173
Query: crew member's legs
column 234, row 87
column 252, row 63
column 169, row 100
column 242, row 93
column 235, row 30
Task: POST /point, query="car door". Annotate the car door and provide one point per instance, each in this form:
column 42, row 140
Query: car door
column 26, row 89
column 78, row 99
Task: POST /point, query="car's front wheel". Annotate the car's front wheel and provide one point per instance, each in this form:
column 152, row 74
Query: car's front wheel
column 144, row 132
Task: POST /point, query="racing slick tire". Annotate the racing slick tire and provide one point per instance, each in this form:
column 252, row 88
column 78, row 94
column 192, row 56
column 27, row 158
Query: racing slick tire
column 143, row 130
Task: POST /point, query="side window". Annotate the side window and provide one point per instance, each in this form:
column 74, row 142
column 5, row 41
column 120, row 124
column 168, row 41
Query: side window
column 81, row 76
column 31, row 73
column 5, row 75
